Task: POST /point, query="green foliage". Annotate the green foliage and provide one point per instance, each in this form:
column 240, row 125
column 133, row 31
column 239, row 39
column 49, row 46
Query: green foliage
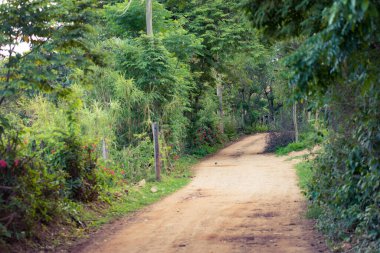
column 336, row 32
column 54, row 49
column 148, row 63
column 202, row 151
column 349, row 169
column 305, row 174
column 79, row 163
column 129, row 19
column 29, row 193
column 136, row 198
column 294, row 146
column 139, row 161
column 259, row 129
column 220, row 26
column 182, row 44
column 307, row 141
column 225, row 35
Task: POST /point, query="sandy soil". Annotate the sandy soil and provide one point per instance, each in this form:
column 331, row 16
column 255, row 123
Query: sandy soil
column 239, row 201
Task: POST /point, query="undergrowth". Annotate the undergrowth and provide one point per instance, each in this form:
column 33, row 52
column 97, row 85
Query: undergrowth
column 307, row 140
column 304, row 173
column 116, row 202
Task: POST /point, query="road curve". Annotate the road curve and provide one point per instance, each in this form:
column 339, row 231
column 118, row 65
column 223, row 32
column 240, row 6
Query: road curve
column 240, row 200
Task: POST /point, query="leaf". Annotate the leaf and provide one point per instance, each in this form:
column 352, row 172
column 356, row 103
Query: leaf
column 364, row 5
column 366, row 86
column 333, row 13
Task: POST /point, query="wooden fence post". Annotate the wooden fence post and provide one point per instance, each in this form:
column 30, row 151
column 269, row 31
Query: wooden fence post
column 157, row 158
column 104, row 149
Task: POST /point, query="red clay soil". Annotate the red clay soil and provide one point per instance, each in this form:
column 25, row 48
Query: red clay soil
column 239, row 201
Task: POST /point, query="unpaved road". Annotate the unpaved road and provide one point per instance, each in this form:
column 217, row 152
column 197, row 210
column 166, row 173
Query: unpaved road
column 247, row 202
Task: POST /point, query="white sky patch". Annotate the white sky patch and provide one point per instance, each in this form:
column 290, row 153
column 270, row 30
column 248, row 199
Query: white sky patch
column 19, row 48
column 22, row 47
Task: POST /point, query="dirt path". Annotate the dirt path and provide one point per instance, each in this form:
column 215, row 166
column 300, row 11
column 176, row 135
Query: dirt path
column 247, row 202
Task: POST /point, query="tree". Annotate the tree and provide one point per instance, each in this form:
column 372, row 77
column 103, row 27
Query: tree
column 224, row 32
column 55, row 34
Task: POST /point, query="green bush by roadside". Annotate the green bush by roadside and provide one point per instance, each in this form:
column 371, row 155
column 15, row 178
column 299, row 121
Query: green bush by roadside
column 307, row 140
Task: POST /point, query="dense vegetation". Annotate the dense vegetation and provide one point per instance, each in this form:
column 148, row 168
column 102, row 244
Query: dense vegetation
column 76, row 106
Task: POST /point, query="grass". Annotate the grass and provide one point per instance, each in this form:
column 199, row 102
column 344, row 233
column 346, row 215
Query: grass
column 305, row 174
column 307, row 140
column 122, row 203
column 294, row 146
column 137, row 198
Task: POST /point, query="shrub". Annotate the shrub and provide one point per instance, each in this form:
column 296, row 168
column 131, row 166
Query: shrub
column 137, row 162
column 307, row 140
column 278, row 139
column 346, row 186
column 79, row 163
column 29, row 193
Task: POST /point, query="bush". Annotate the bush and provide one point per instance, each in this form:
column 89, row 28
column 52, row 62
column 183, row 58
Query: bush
column 135, row 162
column 230, row 128
column 305, row 174
column 79, row 163
column 346, row 186
column 39, row 176
column 29, row 193
column 307, row 140
column 203, row 150
column 206, row 136
column 278, row 139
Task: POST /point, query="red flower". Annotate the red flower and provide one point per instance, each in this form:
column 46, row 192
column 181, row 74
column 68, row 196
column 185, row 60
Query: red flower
column 53, row 151
column 3, row 164
column 112, row 172
column 122, row 172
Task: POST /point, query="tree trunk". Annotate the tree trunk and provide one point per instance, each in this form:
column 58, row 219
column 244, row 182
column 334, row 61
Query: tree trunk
column 317, row 118
column 157, row 155
column 269, row 95
column 295, row 121
column 219, row 93
column 149, row 19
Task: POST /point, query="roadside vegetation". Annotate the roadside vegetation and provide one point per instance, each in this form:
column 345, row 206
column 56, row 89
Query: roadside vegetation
column 81, row 83
column 308, row 140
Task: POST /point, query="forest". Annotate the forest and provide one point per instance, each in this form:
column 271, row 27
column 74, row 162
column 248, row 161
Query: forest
column 82, row 81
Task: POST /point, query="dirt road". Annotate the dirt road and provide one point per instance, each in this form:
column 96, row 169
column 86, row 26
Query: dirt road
column 247, row 202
